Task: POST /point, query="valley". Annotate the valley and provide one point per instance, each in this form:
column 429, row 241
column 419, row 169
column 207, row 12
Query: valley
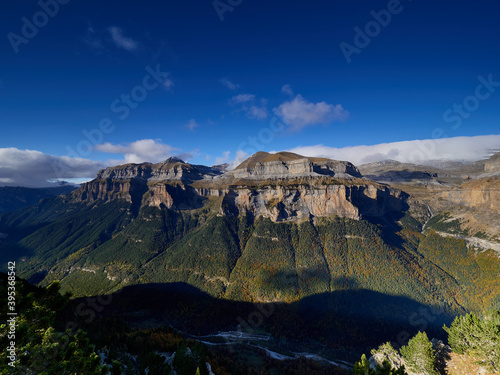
column 342, row 261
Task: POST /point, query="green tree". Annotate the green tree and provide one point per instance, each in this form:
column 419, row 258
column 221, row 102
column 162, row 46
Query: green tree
column 363, row 368
column 419, row 355
column 463, row 333
column 489, row 348
column 479, row 338
column 40, row 348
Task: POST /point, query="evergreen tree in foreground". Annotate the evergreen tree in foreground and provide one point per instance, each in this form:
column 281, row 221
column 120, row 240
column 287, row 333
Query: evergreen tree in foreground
column 478, row 338
column 40, row 348
column 363, row 368
column 419, row 355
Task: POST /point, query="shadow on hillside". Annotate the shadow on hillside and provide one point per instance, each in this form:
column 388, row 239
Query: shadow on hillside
column 12, row 251
column 347, row 320
column 383, row 204
column 401, row 175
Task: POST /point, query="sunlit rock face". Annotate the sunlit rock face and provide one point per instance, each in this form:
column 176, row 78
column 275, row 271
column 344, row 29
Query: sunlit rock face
column 263, row 165
column 492, row 165
column 282, row 203
column 281, row 186
column 481, row 194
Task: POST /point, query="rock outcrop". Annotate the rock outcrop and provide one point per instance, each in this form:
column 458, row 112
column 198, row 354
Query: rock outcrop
column 263, row 166
column 283, row 202
column 170, row 169
column 166, row 183
column 386, row 352
column 108, row 189
column 492, row 165
column 282, row 186
column 480, row 194
column 394, row 171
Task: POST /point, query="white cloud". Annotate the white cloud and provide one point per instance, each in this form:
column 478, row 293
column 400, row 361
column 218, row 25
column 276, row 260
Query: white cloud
column 227, row 83
column 191, row 124
column 251, row 110
column 120, row 40
column 241, row 156
column 242, row 98
column 256, row 112
column 144, row 150
column 299, row 113
column 31, row 168
column 224, row 158
column 418, row 152
column 287, row 89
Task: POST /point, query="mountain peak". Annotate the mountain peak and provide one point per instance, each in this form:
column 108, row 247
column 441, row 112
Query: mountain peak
column 266, row 157
column 263, row 165
column 174, row 159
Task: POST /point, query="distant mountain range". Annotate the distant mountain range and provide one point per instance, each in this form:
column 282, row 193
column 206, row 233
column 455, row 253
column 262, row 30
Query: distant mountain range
column 13, row 198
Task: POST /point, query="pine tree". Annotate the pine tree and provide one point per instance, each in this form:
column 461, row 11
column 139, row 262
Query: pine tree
column 419, row 355
column 363, row 368
column 489, row 349
column 479, row 338
column 463, row 333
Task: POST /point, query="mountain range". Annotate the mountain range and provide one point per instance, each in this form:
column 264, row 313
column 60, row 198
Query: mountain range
column 367, row 247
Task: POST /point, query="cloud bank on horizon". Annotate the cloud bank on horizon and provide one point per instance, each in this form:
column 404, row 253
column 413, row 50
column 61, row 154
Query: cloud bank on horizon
column 467, row 149
column 33, row 168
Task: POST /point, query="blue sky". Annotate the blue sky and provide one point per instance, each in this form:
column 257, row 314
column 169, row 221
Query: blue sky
column 273, row 72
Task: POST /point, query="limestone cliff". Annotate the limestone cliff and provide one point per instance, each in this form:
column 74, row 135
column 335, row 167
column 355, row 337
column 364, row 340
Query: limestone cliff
column 164, row 183
column 492, row 165
column 263, row 165
column 108, row 189
column 481, row 194
column 299, row 200
column 394, row 171
column 281, row 186
column 170, row 169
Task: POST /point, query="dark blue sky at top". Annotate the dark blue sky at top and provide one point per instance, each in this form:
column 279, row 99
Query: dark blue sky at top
column 65, row 78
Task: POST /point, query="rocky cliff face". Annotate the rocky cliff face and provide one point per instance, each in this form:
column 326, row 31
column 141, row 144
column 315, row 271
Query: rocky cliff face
column 170, row 169
column 394, row 171
column 303, row 201
column 481, row 194
column 492, row 165
column 107, row 190
column 173, row 195
column 164, row 183
column 281, row 186
column 288, row 165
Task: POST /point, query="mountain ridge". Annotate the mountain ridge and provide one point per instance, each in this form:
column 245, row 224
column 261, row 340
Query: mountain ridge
column 282, row 186
column 304, row 244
